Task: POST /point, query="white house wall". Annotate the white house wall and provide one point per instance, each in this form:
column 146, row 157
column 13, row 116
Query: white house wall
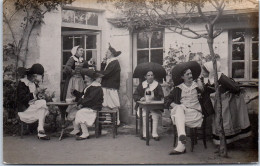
column 199, row 45
column 120, row 39
column 50, row 51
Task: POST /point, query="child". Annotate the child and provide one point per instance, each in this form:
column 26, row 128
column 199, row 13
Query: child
column 149, row 90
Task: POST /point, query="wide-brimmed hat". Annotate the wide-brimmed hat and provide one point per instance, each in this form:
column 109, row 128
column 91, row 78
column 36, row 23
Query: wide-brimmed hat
column 178, row 70
column 113, row 51
column 36, row 69
column 91, row 73
column 142, row 69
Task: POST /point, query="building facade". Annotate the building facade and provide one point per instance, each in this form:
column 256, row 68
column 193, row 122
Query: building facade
column 88, row 24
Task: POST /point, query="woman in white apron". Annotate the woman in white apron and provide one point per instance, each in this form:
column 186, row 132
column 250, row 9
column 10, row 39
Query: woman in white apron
column 234, row 110
column 74, row 80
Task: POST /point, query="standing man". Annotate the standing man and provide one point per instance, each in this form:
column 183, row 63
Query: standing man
column 111, row 80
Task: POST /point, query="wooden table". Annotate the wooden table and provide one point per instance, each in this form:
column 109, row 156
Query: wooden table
column 62, row 105
column 152, row 105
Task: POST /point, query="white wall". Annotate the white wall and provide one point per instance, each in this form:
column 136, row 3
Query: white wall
column 50, row 51
column 175, row 40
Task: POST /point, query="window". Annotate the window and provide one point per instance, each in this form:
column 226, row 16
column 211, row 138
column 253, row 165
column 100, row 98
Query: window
column 87, row 41
column 80, row 17
column 244, row 54
column 148, row 47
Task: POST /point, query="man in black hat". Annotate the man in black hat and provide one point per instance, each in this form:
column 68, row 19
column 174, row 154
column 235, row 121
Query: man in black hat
column 30, row 108
column 89, row 102
column 111, row 81
column 183, row 101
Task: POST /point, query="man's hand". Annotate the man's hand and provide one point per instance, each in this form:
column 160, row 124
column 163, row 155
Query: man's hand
column 200, row 84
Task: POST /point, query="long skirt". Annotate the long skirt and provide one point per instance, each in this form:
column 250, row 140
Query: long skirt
column 76, row 83
column 34, row 112
column 193, row 118
column 111, row 98
column 235, row 119
column 86, row 116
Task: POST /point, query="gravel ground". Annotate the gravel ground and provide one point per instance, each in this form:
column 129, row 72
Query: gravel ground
column 126, row 148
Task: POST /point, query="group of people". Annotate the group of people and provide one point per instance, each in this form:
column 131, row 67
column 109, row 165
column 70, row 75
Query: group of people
column 188, row 109
column 97, row 90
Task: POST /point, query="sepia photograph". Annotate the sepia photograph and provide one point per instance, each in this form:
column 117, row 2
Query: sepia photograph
column 130, row 82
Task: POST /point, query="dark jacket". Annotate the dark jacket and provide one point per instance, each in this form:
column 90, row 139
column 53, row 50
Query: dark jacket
column 70, row 65
column 139, row 93
column 111, row 74
column 203, row 97
column 23, row 96
column 93, row 98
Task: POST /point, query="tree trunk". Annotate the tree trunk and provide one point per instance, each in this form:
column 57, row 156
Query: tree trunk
column 23, row 44
column 218, row 104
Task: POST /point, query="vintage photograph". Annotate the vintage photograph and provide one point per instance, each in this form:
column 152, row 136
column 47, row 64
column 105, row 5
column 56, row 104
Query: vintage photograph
column 130, row 81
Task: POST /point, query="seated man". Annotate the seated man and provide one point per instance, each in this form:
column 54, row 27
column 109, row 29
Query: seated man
column 183, row 101
column 89, row 102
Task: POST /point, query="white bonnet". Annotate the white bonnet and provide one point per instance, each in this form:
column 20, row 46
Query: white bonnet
column 74, row 50
column 209, row 66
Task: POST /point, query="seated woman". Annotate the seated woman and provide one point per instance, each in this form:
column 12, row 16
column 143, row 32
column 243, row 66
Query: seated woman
column 30, row 107
column 234, row 110
column 149, row 89
column 183, row 102
column 89, row 102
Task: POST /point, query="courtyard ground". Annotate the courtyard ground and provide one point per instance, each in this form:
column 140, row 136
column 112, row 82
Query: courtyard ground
column 126, row 148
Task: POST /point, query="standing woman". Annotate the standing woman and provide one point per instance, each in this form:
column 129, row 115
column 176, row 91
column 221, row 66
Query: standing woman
column 234, row 110
column 32, row 109
column 74, row 79
column 111, row 80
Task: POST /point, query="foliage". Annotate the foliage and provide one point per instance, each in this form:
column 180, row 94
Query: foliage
column 30, row 13
column 37, row 8
column 9, row 93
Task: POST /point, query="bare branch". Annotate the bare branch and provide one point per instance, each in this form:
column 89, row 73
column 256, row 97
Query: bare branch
column 211, row 2
column 220, row 9
column 203, row 16
column 217, row 33
column 216, row 1
column 207, row 27
column 10, row 28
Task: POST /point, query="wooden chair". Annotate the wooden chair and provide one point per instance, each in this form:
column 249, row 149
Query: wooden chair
column 193, row 135
column 102, row 122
